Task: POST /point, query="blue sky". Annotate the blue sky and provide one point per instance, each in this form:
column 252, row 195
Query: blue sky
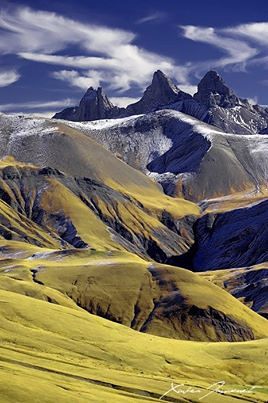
column 52, row 51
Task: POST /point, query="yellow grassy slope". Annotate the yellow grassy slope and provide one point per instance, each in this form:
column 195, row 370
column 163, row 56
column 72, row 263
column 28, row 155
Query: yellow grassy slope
column 97, row 162
column 120, row 286
column 52, row 353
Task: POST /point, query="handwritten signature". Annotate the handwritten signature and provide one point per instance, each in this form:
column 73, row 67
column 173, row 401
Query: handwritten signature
column 214, row 388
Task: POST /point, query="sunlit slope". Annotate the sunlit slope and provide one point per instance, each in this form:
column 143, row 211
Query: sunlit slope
column 75, row 184
column 121, row 287
column 48, row 143
column 187, row 156
column 52, row 353
column 36, row 208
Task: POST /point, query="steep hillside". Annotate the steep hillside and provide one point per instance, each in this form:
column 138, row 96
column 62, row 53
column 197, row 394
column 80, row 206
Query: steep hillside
column 46, row 207
column 83, row 300
column 187, row 157
column 231, row 239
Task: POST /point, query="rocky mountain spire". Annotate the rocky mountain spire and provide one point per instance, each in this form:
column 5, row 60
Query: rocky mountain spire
column 94, row 105
column 162, row 91
column 213, row 91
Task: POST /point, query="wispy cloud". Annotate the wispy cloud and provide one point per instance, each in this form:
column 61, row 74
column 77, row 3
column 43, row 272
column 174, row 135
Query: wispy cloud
column 236, row 52
column 92, row 79
column 111, row 58
column 39, row 35
column 253, row 101
column 28, row 30
column 188, row 88
column 123, row 101
column 20, row 106
column 255, row 32
column 157, row 16
column 8, row 77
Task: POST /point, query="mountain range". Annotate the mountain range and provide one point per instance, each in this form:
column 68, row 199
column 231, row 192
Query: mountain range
column 133, row 248
column 214, row 103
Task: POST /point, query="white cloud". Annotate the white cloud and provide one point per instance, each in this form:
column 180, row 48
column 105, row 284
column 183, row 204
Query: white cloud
column 110, row 57
column 151, row 17
column 8, row 77
column 33, row 105
column 237, row 52
column 189, row 89
column 253, row 101
column 123, row 101
column 42, row 114
column 28, row 30
column 256, row 31
column 38, row 35
column 79, row 62
column 77, row 80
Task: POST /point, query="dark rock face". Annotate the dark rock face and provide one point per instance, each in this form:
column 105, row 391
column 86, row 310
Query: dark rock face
column 94, row 105
column 161, row 92
column 212, row 91
column 233, row 239
column 264, row 131
column 67, row 113
column 251, row 284
column 226, row 110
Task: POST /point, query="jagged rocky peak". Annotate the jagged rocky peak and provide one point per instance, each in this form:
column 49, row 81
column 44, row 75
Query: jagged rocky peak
column 162, row 85
column 162, row 91
column 213, row 91
column 94, row 105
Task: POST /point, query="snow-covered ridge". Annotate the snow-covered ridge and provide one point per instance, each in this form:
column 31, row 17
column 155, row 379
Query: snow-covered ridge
column 170, row 146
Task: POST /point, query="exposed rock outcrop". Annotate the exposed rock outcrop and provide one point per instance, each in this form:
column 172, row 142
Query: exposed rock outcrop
column 162, row 91
column 94, row 105
column 236, row 238
column 213, row 91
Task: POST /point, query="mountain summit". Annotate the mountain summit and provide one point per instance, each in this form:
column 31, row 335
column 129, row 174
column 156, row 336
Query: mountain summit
column 162, row 91
column 213, row 91
column 94, row 105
